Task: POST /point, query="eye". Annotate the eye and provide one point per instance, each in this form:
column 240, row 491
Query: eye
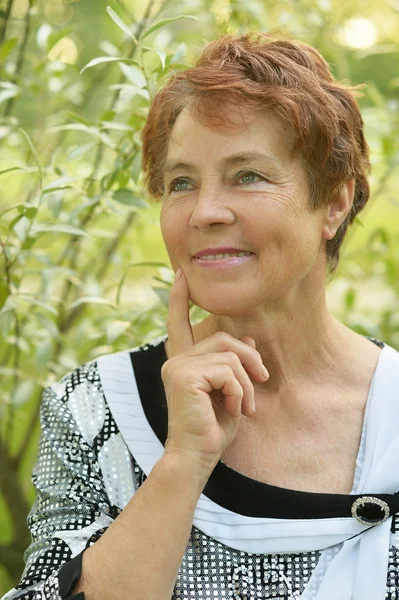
column 173, row 186
column 248, row 176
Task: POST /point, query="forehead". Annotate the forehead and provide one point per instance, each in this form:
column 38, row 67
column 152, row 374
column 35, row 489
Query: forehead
column 243, row 131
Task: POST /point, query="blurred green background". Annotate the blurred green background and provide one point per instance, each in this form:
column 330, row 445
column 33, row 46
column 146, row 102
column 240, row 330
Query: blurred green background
column 83, row 268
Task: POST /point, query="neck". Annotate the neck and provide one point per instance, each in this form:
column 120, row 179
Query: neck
column 294, row 347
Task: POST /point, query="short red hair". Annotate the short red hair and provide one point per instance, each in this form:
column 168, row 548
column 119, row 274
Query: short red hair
column 257, row 70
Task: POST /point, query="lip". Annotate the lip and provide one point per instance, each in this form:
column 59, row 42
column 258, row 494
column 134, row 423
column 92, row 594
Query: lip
column 220, row 250
column 223, row 263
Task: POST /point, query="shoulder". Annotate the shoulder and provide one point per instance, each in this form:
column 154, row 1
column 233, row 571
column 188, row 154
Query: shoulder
column 89, row 392
column 120, row 367
column 88, row 376
column 376, row 341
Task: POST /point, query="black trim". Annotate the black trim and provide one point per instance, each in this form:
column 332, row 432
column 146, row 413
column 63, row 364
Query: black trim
column 228, row 487
column 68, row 577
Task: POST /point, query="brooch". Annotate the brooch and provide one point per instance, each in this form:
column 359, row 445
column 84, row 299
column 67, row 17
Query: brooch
column 370, row 511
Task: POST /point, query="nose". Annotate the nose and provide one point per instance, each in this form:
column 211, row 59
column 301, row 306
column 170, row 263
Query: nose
column 211, row 207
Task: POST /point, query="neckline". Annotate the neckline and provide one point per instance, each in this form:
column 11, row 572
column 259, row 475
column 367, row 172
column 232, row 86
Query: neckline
column 229, row 488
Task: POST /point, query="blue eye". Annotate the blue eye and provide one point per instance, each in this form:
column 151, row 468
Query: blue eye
column 249, row 174
column 173, row 186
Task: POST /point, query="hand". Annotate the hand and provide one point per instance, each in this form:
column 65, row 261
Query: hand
column 207, row 385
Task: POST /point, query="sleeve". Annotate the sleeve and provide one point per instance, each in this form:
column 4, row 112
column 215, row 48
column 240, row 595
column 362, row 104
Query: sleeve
column 73, row 478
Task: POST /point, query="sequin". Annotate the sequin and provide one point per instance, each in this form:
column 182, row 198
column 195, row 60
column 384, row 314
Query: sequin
column 84, row 477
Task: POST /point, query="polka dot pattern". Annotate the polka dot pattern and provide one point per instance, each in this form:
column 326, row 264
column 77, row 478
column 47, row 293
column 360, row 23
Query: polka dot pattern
column 85, row 475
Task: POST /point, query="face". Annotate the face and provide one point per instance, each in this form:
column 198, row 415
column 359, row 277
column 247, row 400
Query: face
column 217, row 197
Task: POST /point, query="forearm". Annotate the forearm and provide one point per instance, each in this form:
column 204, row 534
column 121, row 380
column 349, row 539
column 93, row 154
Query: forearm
column 140, row 554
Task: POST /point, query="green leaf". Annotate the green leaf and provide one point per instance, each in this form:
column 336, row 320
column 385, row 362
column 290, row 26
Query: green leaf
column 350, row 298
column 7, row 47
column 134, row 74
column 36, row 302
column 60, row 184
column 44, row 351
column 163, row 294
column 179, row 53
column 21, row 227
column 23, row 392
column 79, row 119
column 80, row 150
column 127, row 86
column 125, row 196
column 12, row 169
column 161, row 54
column 74, row 127
column 28, row 243
column 7, row 317
column 59, row 228
column 91, row 300
column 20, row 208
column 3, row 292
column 165, row 22
column 34, row 152
column 115, row 329
column 57, row 189
column 30, row 212
column 18, row 342
column 48, row 324
column 103, row 59
column 118, row 21
column 116, row 126
column 7, row 94
column 108, row 115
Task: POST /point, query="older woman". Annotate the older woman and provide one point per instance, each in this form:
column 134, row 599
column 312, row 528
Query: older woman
column 255, row 454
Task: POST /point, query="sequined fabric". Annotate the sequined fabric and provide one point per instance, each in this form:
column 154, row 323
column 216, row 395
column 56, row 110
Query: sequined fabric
column 85, row 475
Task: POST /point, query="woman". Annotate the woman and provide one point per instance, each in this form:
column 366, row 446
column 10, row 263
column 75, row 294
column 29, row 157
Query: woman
column 254, row 454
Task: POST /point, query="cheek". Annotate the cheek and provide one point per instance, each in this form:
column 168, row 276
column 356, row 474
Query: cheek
column 172, row 231
column 166, row 223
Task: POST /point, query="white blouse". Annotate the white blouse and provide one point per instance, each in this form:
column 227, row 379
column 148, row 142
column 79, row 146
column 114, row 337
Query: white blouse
column 103, row 428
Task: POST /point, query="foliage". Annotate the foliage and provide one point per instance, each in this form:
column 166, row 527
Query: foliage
column 80, row 247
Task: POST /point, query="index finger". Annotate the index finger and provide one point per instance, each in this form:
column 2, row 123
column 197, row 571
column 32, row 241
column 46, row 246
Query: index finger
column 180, row 333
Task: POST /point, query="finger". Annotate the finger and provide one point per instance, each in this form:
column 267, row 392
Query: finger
column 180, row 333
column 224, row 342
column 245, row 348
column 222, row 378
column 221, row 358
column 248, row 340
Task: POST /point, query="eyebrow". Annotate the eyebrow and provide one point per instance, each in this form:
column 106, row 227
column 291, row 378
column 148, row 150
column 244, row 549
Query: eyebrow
column 229, row 161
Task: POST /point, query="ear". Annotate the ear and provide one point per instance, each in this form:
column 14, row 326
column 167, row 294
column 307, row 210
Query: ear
column 338, row 209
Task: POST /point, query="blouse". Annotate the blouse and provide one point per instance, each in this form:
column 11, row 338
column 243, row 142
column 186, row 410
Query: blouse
column 103, row 427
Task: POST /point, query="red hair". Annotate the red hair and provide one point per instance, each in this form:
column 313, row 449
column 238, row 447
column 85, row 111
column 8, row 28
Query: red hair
column 257, row 70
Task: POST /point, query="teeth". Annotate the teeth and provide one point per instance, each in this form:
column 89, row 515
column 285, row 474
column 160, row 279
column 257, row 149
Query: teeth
column 218, row 256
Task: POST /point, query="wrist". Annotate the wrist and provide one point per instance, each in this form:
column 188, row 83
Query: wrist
column 189, row 465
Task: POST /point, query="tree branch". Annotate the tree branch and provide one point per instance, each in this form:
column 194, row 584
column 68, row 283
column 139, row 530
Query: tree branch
column 28, row 432
column 13, row 495
column 21, row 58
column 114, row 243
column 75, row 242
column 10, row 558
column 6, row 17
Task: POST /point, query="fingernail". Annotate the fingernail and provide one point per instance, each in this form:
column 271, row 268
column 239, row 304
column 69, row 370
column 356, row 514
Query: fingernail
column 265, row 373
column 178, row 274
column 253, row 407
